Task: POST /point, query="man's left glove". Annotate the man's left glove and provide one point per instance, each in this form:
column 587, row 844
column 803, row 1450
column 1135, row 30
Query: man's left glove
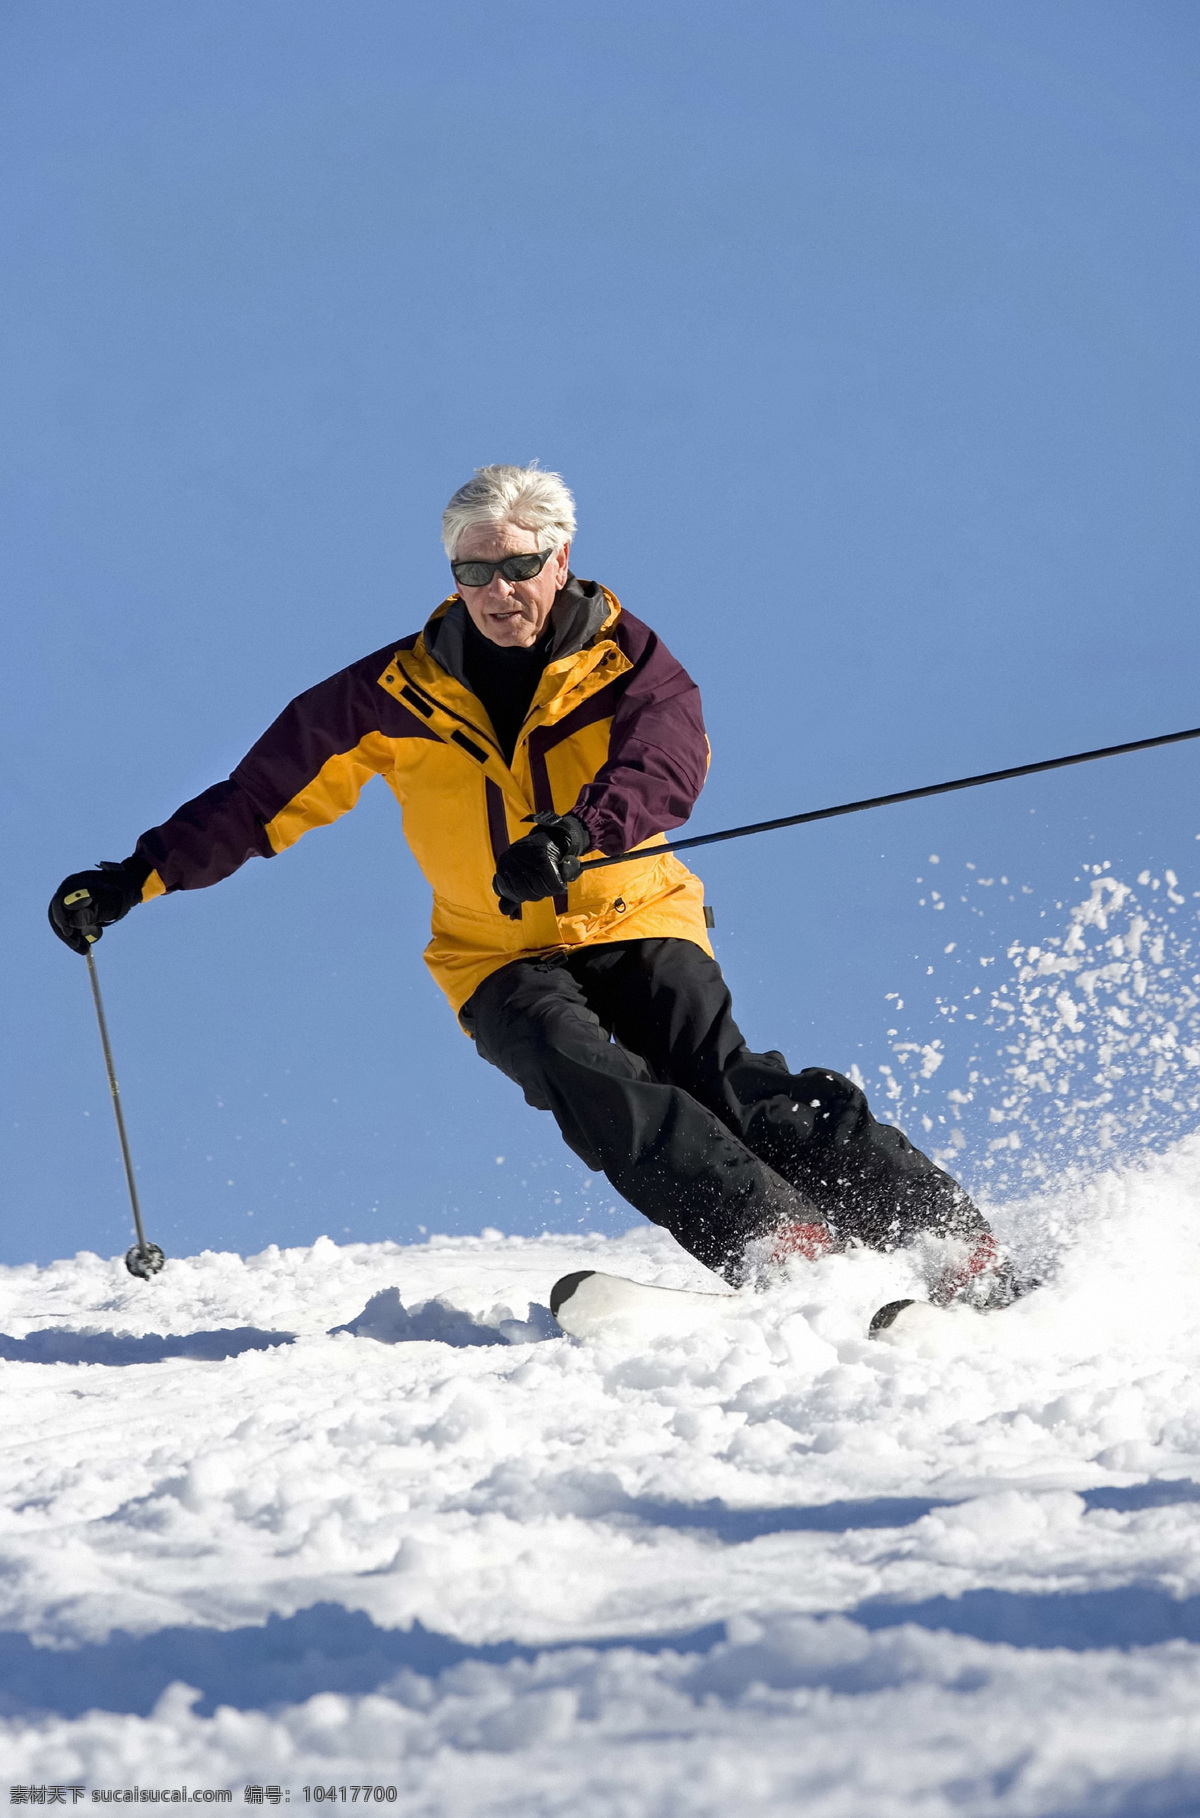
column 88, row 901
column 540, row 864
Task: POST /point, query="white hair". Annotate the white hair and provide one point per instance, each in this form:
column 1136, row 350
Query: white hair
column 537, row 501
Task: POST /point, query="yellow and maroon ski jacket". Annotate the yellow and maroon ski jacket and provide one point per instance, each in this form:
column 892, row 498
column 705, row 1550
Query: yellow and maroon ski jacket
column 614, row 736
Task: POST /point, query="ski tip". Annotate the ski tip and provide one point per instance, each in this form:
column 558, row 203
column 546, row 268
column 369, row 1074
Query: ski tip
column 565, row 1286
column 887, row 1316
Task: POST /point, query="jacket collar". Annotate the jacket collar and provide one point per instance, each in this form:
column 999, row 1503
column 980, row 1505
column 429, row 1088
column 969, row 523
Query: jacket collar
column 453, row 712
column 580, row 611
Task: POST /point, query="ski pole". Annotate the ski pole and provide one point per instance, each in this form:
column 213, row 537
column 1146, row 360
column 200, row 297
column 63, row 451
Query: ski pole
column 143, row 1259
column 887, row 801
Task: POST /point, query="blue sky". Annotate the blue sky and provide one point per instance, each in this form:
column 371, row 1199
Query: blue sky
column 866, row 336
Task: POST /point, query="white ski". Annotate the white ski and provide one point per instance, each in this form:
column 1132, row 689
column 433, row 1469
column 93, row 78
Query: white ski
column 906, row 1319
column 921, row 1322
column 589, row 1304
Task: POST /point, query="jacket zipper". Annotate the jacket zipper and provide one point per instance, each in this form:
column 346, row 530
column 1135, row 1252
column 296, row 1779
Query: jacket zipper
column 464, row 721
column 441, row 707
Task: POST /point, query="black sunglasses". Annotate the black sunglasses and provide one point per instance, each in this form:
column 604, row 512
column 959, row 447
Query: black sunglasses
column 513, row 568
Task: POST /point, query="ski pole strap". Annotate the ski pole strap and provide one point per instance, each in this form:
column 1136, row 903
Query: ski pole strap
column 887, row 801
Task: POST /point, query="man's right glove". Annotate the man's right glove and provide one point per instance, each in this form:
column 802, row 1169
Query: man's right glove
column 541, row 864
column 89, row 901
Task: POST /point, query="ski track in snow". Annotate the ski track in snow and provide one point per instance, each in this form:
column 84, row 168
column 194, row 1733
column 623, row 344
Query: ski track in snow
column 768, row 1567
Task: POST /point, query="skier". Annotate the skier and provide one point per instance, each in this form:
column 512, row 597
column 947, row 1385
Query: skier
column 533, row 721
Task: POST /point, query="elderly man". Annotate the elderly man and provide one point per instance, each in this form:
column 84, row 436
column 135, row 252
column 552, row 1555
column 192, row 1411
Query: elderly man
column 531, row 722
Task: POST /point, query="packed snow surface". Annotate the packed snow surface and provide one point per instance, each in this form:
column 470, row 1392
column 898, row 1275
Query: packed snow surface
column 361, row 1516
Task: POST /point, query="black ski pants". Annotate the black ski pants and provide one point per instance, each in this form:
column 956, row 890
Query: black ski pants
column 633, row 1048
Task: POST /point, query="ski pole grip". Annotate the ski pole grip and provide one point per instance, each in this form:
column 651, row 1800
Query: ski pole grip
column 81, row 896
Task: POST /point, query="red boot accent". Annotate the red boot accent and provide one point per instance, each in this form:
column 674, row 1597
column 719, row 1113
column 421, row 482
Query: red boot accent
column 958, row 1276
column 808, row 1241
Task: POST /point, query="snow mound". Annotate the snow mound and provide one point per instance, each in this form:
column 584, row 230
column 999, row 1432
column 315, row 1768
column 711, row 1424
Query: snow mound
column 359, row 1515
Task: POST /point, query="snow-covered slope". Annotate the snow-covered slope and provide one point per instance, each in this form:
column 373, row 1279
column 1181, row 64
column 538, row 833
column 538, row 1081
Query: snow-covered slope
column 769, row 1567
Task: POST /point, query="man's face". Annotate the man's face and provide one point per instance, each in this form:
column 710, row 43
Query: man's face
column 512, row 613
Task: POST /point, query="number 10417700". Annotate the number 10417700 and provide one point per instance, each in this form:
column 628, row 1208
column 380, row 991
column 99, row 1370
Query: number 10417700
column 350, row 1795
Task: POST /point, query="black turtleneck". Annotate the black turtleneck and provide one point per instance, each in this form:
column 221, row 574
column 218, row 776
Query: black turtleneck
column 505, row 680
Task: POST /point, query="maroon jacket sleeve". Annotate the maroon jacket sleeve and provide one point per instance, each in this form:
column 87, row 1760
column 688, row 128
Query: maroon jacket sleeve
column 657, row 751
column 206, row 839
column 216, row 832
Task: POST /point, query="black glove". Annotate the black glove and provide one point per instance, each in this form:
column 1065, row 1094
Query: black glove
column 88, row 901
column 540, row 864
